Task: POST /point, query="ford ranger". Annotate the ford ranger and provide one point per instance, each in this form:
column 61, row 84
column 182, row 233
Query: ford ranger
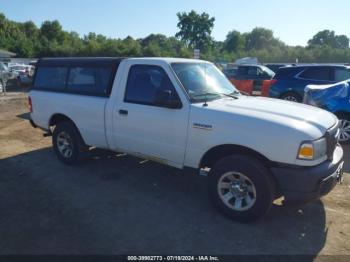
column 186, row 114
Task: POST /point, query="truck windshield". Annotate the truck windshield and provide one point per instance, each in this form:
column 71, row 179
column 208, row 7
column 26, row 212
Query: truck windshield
column 203, row 81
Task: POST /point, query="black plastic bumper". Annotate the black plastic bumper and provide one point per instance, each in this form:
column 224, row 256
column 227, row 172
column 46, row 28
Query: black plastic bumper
column 303, row 184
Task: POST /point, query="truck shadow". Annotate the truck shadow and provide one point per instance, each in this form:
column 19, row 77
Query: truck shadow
column 117, row 204
column 346, row 158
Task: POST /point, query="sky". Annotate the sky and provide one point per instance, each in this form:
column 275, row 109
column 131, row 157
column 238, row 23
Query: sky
column 293, row 21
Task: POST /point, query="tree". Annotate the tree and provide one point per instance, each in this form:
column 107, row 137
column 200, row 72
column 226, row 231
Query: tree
column 30, row 29
column 234, row 42
column 132, row 47
column 27, row 40
column 195, row 29
column 52, row 31
column 341, row 41
column 261, row 38
column 328, row 38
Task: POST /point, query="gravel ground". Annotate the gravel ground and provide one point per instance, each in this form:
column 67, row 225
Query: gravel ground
column 117, row 204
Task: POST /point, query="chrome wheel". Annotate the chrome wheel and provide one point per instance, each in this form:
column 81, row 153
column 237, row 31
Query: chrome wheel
column 65, row 144
column 237, row 191
column 344, row 130
column 290, row 98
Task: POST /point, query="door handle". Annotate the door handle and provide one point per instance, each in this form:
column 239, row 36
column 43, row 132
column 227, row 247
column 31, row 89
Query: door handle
column 123, row 112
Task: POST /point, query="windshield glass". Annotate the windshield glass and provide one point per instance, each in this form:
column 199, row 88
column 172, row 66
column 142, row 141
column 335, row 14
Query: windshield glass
column 203, row 81
column 268, row 71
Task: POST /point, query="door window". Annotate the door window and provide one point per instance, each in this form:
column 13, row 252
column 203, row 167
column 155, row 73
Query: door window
column 145, row 82
column 317, row 73
column 341, row 74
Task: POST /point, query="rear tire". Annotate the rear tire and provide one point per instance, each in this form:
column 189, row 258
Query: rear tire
column 241, row 188
column 68, row 143
column 291, row 96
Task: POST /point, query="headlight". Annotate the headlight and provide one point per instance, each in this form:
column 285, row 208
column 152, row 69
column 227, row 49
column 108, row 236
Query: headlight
column 312, row 150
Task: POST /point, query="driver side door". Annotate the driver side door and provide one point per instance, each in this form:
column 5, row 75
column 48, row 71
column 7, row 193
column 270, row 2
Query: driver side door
column 146, row 128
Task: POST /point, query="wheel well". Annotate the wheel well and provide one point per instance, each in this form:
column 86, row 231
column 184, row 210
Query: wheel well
column 342, row 113
column 290, row 92
column 218, row 152
column 57, row 118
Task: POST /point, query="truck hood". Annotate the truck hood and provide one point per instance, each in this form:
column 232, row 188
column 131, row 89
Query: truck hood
column 312, row 120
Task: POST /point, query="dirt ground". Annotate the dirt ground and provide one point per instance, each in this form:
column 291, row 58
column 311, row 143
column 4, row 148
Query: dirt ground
column 123, row 205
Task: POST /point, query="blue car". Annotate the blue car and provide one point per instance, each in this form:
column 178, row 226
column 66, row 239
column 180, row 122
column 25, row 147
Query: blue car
column 334, row 98
column 289, row 82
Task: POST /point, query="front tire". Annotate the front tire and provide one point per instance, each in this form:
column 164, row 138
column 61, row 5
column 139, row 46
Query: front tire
column 67, row 143
column 241, row 188
column 344, row 128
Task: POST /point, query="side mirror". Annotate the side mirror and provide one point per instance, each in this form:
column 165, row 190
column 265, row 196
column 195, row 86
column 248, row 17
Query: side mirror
column 166, row 98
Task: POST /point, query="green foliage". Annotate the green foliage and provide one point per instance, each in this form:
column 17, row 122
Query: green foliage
column 50, row 40
column 260, row 38
column 329, row 38
column 195, row 29
column 235, row 41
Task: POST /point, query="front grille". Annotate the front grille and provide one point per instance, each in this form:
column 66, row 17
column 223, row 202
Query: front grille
column 332, row 140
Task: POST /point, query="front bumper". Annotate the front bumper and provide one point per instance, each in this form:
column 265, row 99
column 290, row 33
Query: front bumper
column 303, row 184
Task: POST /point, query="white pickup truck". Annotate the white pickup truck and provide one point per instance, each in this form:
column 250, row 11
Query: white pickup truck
column 185, row 113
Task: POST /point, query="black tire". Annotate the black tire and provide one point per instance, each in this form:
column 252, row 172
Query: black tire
column 344, row 122
column 257, row 173
column 77, row 145
column 292, row 96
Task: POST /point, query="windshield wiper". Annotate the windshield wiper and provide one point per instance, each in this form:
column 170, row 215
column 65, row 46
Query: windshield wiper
column 241, row 93
column 232, row 95
column 205, row 94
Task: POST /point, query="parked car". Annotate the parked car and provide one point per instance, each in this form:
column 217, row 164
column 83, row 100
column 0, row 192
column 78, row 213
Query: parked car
column 250, row 79
column 23, row 74
column 336, row 99
column 289, row 83
column 186, row 114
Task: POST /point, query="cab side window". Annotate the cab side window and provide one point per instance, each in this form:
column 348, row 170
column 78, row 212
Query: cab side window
column 51, row 78
column 145, row 82
column 89, row 80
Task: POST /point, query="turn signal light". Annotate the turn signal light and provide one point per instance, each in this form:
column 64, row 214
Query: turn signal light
column 306, row 151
